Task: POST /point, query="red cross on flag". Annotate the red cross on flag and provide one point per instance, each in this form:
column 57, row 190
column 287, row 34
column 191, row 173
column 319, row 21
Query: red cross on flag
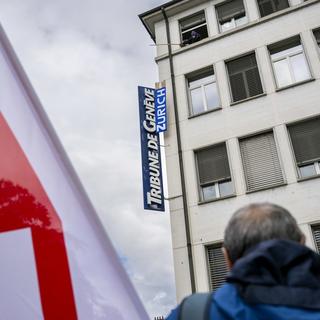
column 57, row 262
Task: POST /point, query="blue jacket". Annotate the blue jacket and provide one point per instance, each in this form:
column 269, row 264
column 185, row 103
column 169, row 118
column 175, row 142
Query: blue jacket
column 276, row 280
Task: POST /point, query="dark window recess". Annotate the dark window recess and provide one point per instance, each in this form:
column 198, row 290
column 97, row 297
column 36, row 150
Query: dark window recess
column 244, row 77
column 267, row 7
column 217, row 266
column 305, row 137
column 317, row 36
column 193, row 28
column 316, row 236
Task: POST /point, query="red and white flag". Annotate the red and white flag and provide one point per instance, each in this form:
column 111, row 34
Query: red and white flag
column 57, row 262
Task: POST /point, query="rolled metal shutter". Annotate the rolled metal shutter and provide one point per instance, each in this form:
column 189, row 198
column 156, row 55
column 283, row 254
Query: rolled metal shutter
column 217, row 266
column 316, row 236
column 261, row 162
column 317, row 36
column 305, row 137
column 213, row 164
column 244, row 77
column 229, row 10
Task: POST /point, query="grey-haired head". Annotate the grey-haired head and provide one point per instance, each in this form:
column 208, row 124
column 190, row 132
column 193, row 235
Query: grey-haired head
column 259, row 222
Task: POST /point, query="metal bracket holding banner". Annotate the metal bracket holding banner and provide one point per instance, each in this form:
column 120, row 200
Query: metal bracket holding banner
column 150, row 151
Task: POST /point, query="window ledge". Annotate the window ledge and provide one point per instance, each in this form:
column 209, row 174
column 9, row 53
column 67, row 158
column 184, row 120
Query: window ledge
column 295, row 84
column 267, row 188
column 216, row 199
column 248, row 99
column 203, row 113
column 308, row 178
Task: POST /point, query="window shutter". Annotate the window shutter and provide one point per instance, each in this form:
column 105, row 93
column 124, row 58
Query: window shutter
column 229, row 10
column 305, row 137
column 316, row 236
column 193, row 21
column 260, row 162
column 213, row 164
column 268, row 7
column 238, row 87
column 317, row 36
column 265, row 8
column 217, row 267
column 244, row 77
column 254, row 82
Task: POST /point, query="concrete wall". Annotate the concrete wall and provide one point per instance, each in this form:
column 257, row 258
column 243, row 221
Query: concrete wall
column 272, row 111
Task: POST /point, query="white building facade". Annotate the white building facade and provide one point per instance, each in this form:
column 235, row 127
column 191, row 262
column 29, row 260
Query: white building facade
column 243, row 83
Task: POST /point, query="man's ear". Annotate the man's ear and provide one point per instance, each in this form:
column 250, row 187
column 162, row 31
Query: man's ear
column 226, row 256
column 303, row 240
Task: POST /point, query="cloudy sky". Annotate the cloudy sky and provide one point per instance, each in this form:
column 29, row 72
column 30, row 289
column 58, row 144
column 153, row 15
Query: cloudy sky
column 85, row 59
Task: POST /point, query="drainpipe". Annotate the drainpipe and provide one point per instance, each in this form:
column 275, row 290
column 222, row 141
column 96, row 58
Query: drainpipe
column 181, row 165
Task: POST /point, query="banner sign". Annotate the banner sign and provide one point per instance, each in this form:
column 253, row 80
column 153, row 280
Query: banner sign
column 57, row 261
column 150, row 150
column 161, row 109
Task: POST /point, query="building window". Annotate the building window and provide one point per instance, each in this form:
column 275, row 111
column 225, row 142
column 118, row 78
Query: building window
column 214, row 172
column 193, row 28
column 244, row 77
column 316, row 236
column 317, row 36
column 305, row 138
column 261, row 162
column 267, row 7
column 203, row 91
column 217, row 266
column 289, row 62
column 231, row 14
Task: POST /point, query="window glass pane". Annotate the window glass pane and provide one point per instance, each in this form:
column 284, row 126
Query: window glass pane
column 241, row 21
column 209, row 192
column 212, row 95
column 282, row 73
column 307, row 171
column 228, row 25
column 197, row 100
column 199, row 82
column 225, row 188
column 300, row 67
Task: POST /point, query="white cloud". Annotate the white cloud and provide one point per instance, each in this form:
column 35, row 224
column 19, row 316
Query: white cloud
column 85, row 59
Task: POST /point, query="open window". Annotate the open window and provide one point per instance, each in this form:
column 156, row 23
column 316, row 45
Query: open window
column 289, row 62
column 231, row 14
column 193, row 28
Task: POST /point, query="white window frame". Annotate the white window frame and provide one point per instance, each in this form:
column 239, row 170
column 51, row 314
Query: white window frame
column 287, row 57
column 216, row 185
column 316, row 165
column 191, row 87
column 234, row 24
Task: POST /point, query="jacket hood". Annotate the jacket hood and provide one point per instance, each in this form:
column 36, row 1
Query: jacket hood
column 278, row 272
